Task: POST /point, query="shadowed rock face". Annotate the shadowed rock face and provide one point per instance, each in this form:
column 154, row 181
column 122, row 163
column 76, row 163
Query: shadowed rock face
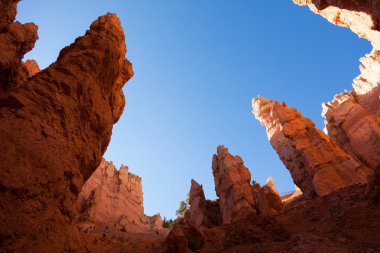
column 54, row 128
column 202, row 213
column 198, row 211
column 318, row 166
column 268, row 200
column 232, row 185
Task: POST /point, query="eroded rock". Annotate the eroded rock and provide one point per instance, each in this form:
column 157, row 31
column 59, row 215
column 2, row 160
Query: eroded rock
column 268, row 200
column 54, row 128
column 232, row 185
column 115, row 199
column 318, row 166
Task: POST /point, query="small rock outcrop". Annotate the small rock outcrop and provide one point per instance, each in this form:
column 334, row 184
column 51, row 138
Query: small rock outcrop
column 115, row 199
column 54, row 128
column 202, row 213
column 318, row 166
column 198, row 212
column 232, row 185
column 268, row 200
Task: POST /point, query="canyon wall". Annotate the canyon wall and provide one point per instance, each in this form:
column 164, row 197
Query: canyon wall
column 317, row 165
column 114, row 198
column 55, row 126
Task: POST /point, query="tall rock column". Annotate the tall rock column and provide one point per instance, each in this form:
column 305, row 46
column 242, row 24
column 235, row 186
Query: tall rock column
column 232, row 185
column 318, row 166
column 54, row 128
column 352, row 118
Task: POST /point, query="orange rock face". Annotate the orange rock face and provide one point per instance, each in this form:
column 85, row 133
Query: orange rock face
column 202, row 213
column 268, row 200
column 362, row 17
column 115, row 199
column 198, row 211
column 54, row 128
column 318, row 166
column 232, row 185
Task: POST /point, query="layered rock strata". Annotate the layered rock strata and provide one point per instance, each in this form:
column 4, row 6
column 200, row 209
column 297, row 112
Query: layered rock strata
column 232, row 185
column 54, row 128
column 115, row 199
column 318, row 166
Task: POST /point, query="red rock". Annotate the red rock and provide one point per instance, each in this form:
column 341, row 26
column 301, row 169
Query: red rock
column 318, row 166
column 232, row 185
column 115, row 199
column 268, row 200
column 362, row 17
column 197, row 212
column 54, row 129
column 32, row 67
column 202, row 213
column 353, row 118
column 354, row 128
column 184, row 238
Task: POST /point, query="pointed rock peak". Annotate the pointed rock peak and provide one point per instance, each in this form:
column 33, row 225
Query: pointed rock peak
column 270, row 184
column 123, row 169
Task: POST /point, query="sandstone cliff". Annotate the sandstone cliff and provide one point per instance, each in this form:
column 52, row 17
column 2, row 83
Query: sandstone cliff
column 115, row 199
column 232, row 185
column 54, row 128
column 317, row 165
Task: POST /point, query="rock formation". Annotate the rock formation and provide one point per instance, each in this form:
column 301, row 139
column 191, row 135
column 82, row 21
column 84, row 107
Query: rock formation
column 232, row 185
column 54, row 128
column 32, row 67
column 362, row 17
column 197, row 201
column 268, row 200
column 318, row 166
column 115, row 199
column 353, row 118
column 202, row 213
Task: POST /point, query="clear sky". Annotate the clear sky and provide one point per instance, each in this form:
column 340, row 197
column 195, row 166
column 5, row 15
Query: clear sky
column 197, row 66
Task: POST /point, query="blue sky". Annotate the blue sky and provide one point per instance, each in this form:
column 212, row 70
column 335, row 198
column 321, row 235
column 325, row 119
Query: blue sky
column 197, row 66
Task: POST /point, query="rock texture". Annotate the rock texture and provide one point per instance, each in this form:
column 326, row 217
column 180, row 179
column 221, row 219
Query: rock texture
column 353, row 118
column 202, row 213
column 318, row 166
column 197, row 201
column 232, row 185
column 54, row 128
column 268, row 201
column 362, row 17
column 115, row 199
column 32, row 67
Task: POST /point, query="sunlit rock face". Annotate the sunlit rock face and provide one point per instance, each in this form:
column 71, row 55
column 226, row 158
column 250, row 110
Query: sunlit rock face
column 362, row 17
column 317, row 165
column 232, row 185
column 268, row 200
column 54, row 128
column 32, row 67
column 354, row 128
column 353, row 118
column 115, row 199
